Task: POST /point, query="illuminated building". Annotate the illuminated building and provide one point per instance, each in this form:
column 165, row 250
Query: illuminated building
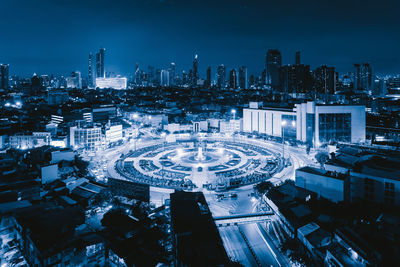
column 4, row 72
column 86, row 138
column 172, row 75
column 308, row 122
column 243, row 77
column 117, row 83
column 221, row 76
column 90, row 74
column 233, row 79
column 195, row 73
column 272, row 66
column 75, row 80
column 324, row 79
column 100, row 72
column 164, row 77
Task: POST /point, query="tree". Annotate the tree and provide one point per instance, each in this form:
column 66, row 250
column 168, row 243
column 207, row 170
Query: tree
column 263, row 187
column 322, row 157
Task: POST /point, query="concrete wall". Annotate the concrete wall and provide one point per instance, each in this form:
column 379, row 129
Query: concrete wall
column 327, row 187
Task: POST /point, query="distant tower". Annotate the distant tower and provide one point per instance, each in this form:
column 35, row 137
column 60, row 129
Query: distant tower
column 195, row 74
column 357, row 77
column 297, row 60
column 366, row 77
column 208, row 74
column 243, row 77
column 164, row 78
column 221, row 76
column 172, row 75
column 272, row 66
column 100, row 72
column 4, row 72
column 150, row 70
column 233, row 79
column 90, row 74
column 137, row 74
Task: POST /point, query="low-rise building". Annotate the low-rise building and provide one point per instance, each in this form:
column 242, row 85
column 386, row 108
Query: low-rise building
column 308, row 122
column 86, row 138
column 36, row 139
column 327, row 184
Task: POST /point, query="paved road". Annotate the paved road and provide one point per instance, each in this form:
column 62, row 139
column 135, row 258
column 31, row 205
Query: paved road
column 262, row 249
column 235, row 246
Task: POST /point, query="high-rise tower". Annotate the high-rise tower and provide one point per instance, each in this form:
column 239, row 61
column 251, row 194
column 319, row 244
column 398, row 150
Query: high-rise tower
column 233, row 79
column 100, row 72
column 297, row 58
column 90, row 72
column 272, row 66
column 4, row 72
column 243, row 77
column 195, row 75
column 221, row 76
column 208, row 77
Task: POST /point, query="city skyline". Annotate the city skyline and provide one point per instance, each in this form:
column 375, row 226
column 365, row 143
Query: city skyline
column 159, row 32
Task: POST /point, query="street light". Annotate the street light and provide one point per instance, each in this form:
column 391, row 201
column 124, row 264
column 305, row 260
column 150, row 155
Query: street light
column 283, row 141
column 233, row 111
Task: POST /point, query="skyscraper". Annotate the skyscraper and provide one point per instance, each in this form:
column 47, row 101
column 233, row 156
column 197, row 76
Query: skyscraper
column 295, row 79
column 233, row 79
column 243, row 77
column 90, row 74
column 100, row 72
column 195, row 73
column 185, row 78
column 221, row 76
column 297, row 59
column 324, row 80
column 366, row 77
column 171, row 70
column 157, row 78
column 137, row 74
column 208, row 79
column 272, row 66
column 357, row 77
column 164, row 78
column 75, row 80
column 4, row 72
column 150, row 75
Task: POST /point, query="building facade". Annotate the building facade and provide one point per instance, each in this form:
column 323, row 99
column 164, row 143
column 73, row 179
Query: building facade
column 88, row 139
column 309, row 122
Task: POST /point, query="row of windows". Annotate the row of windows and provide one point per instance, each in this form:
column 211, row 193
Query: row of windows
column 335, row 127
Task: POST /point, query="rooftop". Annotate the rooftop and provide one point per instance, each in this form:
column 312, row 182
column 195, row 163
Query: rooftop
column 198, row 239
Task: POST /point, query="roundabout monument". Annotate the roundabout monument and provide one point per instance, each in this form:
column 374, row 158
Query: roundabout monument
column 194, row 163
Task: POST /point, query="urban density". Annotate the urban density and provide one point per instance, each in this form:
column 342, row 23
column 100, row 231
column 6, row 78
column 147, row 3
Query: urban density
column 223, row 156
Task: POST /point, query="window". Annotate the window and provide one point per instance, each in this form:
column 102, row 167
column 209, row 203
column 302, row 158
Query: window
column 289, row 129
column 369, row 189
column 310, row 128
column 335, row 127
column 389, row 193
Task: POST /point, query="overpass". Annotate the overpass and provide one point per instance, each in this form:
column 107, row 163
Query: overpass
column 243, row 218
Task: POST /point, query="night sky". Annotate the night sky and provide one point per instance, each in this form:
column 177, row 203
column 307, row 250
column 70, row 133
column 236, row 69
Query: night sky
column 56, row 36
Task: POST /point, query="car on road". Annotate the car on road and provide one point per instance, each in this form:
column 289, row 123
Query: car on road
column 233, row 195
column 220, row 196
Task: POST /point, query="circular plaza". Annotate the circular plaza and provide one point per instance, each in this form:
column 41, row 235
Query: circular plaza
column 194, row 164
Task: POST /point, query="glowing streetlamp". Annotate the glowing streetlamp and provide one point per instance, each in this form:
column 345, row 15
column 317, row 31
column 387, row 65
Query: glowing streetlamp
column 233, row 111
column 283, row 140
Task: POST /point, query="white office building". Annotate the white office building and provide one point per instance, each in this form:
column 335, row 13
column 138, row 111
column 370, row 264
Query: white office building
column 308, row 122
column 117, row 83
column 113, row 134
column 88, row 138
